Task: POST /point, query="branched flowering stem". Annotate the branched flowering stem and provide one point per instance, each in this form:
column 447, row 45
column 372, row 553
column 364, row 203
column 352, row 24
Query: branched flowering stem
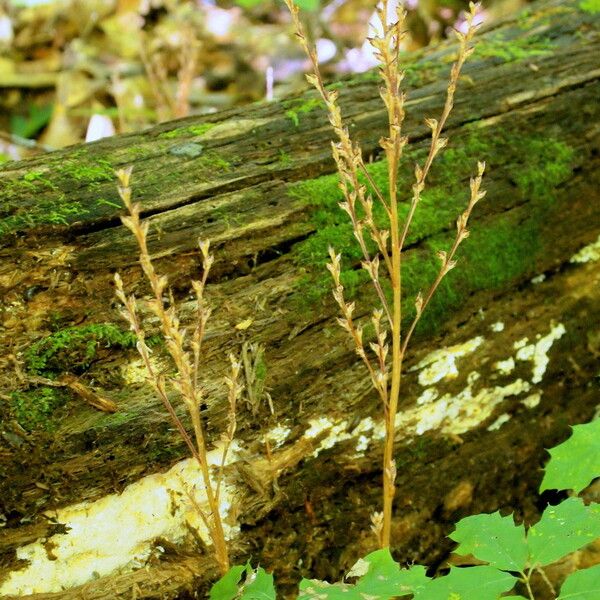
column 390, row 242
column 187, row 364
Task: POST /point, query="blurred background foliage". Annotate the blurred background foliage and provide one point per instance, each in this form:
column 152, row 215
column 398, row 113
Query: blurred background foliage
column 75, row 70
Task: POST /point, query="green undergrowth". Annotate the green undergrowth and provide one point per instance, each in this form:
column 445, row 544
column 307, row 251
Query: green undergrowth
column 590, row 6
column 33, row 409
column 509, row 554
column 73, row 349
column 499, row 250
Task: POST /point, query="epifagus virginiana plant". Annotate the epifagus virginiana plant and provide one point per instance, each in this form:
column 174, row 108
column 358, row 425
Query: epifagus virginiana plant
column 186, row 358
column 386, row 262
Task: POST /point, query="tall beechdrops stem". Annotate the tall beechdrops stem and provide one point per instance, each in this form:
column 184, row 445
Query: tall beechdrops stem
column 386, row 317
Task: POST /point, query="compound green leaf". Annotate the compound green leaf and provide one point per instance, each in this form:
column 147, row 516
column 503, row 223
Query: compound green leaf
column 493, row 538
column 227, row 587
column 575, row 462
column 563, row 529
column 483, row 583
column 381, row 578
column 582, row 585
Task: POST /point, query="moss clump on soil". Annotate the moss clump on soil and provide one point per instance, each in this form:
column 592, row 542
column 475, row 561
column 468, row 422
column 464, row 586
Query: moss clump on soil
column 34, row 408
column 192, row 130
column 496, row 252
column 298, row 107
column 73, row 349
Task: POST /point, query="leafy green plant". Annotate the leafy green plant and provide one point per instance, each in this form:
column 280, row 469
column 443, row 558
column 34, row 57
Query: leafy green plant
column 513, row 552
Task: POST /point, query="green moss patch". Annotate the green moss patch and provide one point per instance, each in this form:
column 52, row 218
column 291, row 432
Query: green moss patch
column 190, row 131
column 497, row 251
column 33, row 409
column 55, row 211
column 73, row 349
column 511, row 50
column 42, row 197
column 85, row 170
column 294, row 109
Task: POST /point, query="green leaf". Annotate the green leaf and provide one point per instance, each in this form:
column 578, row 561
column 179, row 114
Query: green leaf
column 385, row 579
column 259, row 586
column 575, row 462
column 27, row 127
column 381, row 578
column 582, row 585
column 493, row 538
column 562, row 530
column 227, row 587
column 313, row 589
column 483, row 583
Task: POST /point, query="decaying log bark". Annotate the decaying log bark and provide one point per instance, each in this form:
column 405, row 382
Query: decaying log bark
column 506, row 362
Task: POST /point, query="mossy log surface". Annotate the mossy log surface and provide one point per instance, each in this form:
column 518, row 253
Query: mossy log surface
column 257, row 182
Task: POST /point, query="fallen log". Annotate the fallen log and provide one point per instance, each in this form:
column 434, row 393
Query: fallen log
column 504, row 362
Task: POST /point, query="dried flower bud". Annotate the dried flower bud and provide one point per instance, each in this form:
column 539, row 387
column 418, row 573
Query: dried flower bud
column 204, row 246
column 350, row 306
column 432, row 124
column 124, row 175
column 312, row 80
column 419, row 303
column 418, row 172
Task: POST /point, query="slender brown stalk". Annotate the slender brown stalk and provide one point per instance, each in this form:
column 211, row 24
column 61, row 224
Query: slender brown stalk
column 358, row 204
column 187, row 365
